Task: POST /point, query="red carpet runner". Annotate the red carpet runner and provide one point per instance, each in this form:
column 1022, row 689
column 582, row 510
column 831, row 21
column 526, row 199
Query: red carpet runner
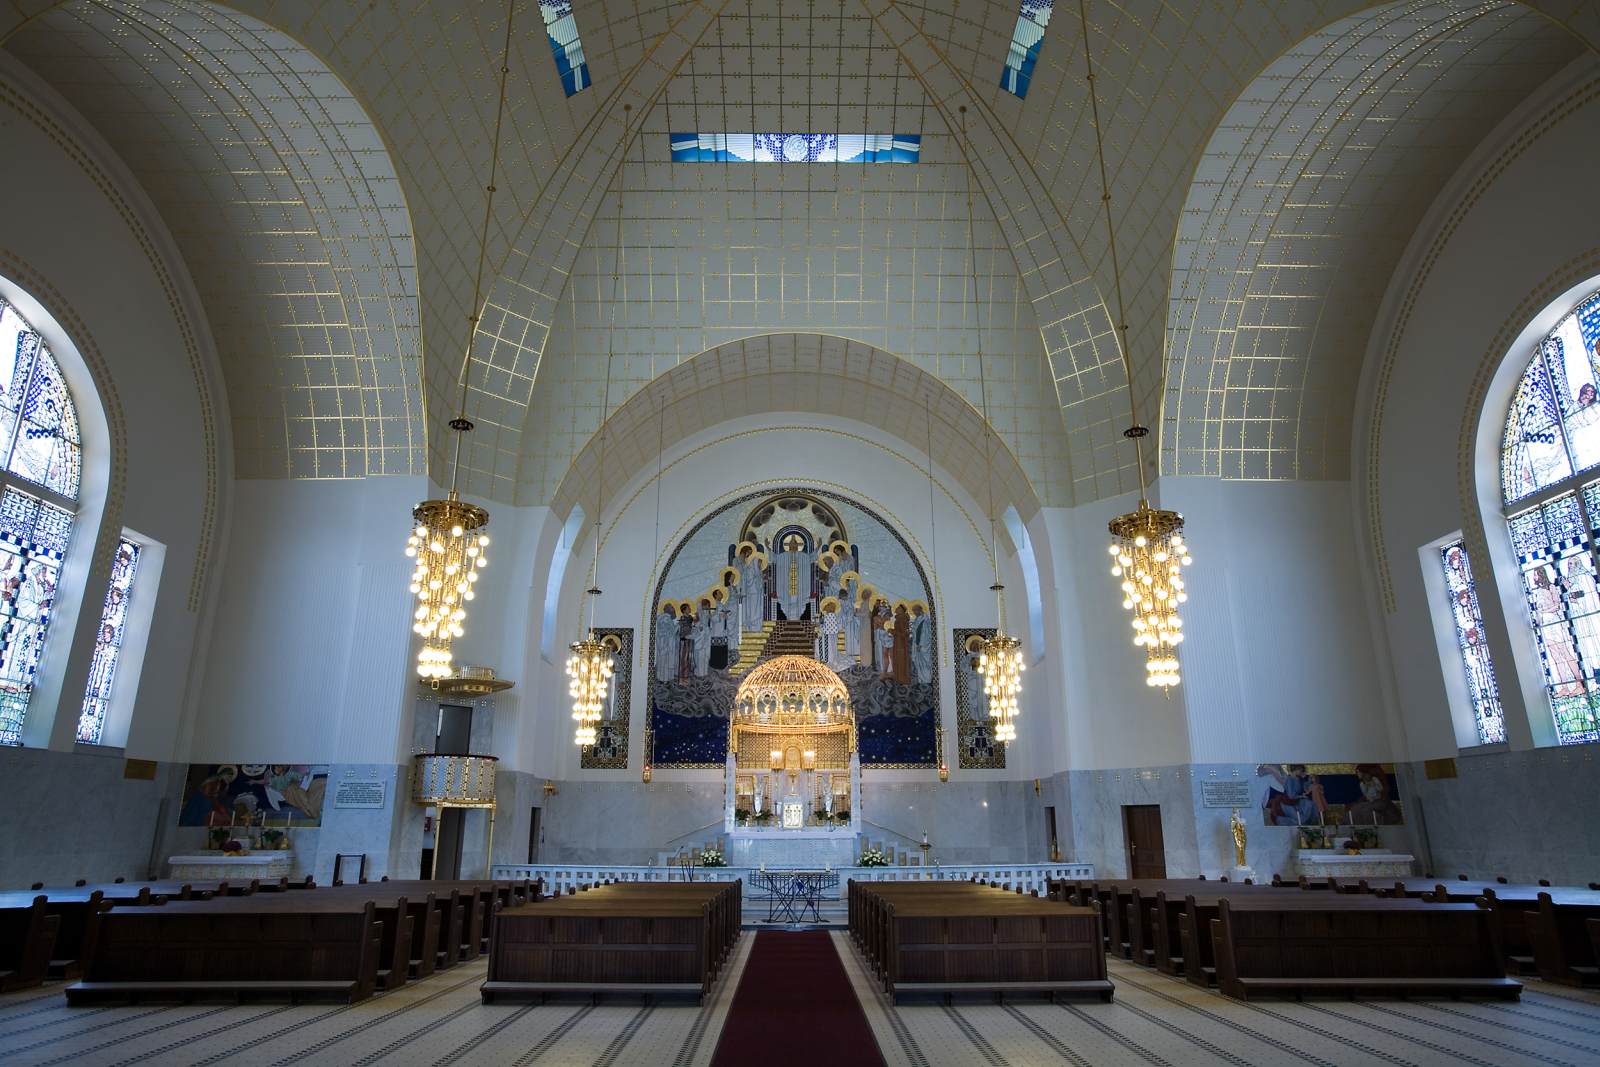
column 794, row 1005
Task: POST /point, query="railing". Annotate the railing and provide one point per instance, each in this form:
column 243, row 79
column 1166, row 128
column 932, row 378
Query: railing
column 559, row 877
column 453, row 781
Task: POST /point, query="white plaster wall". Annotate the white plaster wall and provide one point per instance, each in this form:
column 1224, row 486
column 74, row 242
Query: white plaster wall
column 310, row 657
column 1512, row 223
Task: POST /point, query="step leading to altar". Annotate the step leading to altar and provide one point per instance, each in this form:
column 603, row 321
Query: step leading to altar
column 802, row 849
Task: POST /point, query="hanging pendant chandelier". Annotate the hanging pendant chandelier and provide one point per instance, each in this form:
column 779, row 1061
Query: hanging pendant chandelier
column 449, row 545
column 590, row 665
column 1149, row 555
column 447, row 536
column 589, row 673
column 1000, row 664
column 1148, row 550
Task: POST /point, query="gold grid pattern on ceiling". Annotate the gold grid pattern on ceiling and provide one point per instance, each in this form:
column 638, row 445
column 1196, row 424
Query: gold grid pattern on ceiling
column 287, row 210
column 1301, row 207
column 1167, row 75
column 715, row 252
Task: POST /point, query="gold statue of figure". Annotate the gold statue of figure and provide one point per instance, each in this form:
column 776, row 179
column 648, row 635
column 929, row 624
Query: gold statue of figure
column 1237, row 825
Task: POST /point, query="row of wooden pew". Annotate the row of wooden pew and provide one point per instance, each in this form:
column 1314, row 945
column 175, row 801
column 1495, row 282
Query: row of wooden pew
column 642, row 938
column 1409, row 937
column 943, row 938
column 128, row 941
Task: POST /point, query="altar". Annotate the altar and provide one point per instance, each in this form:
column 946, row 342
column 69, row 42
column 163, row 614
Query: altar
column 792, row 775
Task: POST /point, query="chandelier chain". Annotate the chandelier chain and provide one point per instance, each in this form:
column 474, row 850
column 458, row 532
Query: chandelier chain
column 461, row 425
column 983, row 391
column 1135, row 431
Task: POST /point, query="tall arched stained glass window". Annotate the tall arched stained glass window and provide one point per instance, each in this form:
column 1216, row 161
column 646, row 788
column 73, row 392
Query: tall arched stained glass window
column 41, row 454
column 1550, row 481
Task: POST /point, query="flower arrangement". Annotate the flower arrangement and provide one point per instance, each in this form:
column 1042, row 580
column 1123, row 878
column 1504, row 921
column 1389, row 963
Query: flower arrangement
column 712, row 858
column 874, row 857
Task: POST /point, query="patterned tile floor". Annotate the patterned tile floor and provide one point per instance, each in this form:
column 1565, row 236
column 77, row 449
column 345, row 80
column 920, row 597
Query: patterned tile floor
column 1154, row 1021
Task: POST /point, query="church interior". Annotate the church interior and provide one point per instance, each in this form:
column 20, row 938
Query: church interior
column 1079, row 544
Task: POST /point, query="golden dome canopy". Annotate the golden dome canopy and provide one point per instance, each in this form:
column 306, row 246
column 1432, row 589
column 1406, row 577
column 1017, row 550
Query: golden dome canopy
column 791, row 690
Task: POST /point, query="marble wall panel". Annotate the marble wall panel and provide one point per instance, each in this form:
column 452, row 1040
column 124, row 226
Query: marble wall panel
column 72, row 815
column 1522, row 815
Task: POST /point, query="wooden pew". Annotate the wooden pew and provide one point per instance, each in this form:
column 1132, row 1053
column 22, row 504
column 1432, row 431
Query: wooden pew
column 1558, row 927
column 1350, row 945
column 650, row 939
column 942, row 938
column 327, row 948
column 27, row 933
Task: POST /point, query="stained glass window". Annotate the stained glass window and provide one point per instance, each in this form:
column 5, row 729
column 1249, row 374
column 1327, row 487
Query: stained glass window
column 1464, row 610
column 562, row 29
column 796, row 147
column 1552, row 437
column 40, row 448
column 1026, row 40
column 108, row 643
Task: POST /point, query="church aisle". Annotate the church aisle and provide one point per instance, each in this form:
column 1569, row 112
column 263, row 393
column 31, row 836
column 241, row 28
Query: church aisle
column 796, row 977
column 1159, row 1020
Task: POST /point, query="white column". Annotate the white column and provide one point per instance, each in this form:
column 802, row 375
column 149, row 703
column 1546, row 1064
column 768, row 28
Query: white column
column 729, row 796
column 855, row 792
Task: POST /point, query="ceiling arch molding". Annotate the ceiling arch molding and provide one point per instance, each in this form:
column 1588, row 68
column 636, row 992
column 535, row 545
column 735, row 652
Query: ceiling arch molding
column 1299, row 211
column 287, row 209
column 800, row 374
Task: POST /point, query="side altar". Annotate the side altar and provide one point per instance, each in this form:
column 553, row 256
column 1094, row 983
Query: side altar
column 793, row 776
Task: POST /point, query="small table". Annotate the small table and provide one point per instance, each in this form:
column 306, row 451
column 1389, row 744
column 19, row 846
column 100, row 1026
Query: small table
column 792, row 894
column 268, row 866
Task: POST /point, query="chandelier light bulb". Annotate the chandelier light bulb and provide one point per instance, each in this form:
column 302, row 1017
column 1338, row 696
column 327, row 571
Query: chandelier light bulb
column 1148, row 543
column 1000, row 664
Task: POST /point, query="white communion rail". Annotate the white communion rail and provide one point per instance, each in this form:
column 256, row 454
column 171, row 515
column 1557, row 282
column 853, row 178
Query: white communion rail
column 559, row 877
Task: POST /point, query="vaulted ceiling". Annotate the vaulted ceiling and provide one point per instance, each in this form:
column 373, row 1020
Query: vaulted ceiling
column 322, row 164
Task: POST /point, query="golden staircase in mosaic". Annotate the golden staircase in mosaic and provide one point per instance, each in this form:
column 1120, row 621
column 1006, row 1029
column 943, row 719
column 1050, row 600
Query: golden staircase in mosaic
column 787, row 637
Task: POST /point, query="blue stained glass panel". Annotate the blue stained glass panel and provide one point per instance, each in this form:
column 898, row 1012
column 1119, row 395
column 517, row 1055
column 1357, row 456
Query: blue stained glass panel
column 18, row 345
column 1533, row 454
column 795, row 147
column 1027, row 38
column 108, row 643
column 1482, row 689
column 1573, row 376
column 562, row 29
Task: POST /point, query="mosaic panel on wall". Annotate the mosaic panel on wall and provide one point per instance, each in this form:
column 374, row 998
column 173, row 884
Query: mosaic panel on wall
column 610, row 749
column 254, row 794
column 796, row 147
column 797, row 572
column 1329, row 794
column 976, row 748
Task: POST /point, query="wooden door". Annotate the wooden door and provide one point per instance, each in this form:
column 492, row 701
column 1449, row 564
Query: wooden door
column 1141, row 827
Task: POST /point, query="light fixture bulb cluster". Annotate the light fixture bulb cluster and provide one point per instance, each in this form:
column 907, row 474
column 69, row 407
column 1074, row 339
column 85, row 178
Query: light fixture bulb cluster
column 1000, row 664
column 1148, row 553
column 589, row 679
column 449, row 546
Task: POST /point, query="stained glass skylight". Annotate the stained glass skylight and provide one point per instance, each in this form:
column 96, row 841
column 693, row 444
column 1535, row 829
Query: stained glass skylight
column 1026, row 40
column 1474, row 647
column 795, row 147
column 108, row 643
column 562, row 29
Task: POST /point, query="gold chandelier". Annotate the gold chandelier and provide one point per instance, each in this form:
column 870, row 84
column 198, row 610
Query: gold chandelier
column 1000, row 656
column 1149, row 556
column 1000, row 663
column 448, row 539
column 590, row 665
column 1148, row 550
column 589, row 673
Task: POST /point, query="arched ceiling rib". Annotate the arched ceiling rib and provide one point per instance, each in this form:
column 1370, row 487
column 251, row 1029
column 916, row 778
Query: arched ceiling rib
column 875, row 253
column 287, row 210
column 1307, row 195
column 801, row 373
